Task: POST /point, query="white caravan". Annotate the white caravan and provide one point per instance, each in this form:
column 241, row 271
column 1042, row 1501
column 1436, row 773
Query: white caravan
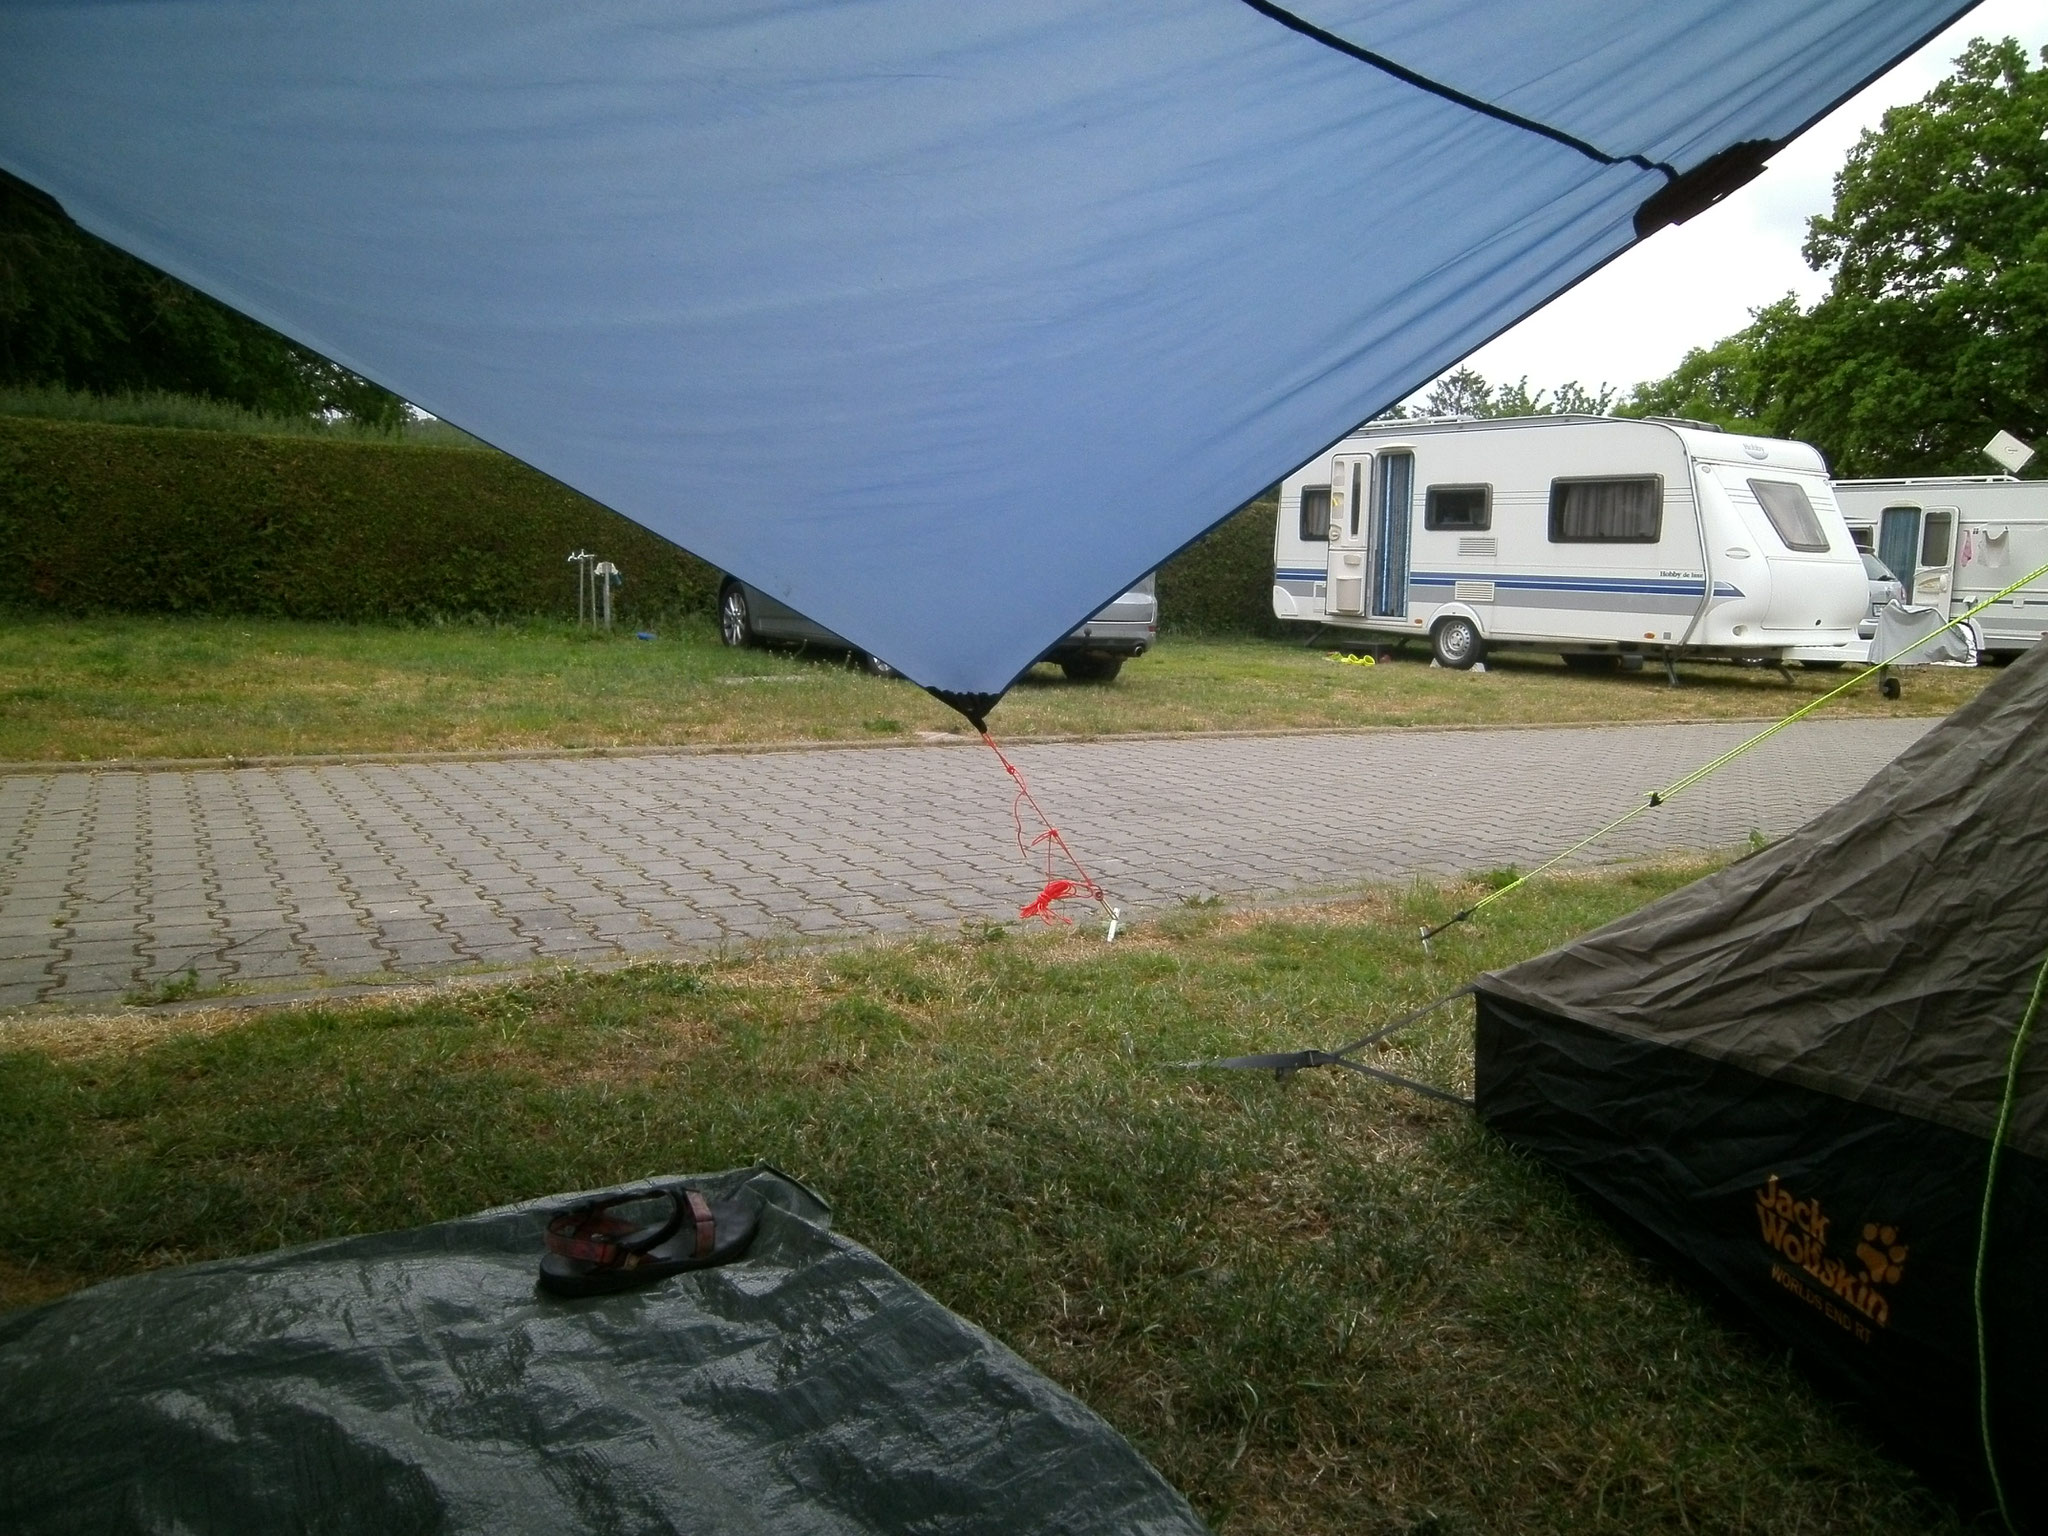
column 1591, row 536
column 1955, row 540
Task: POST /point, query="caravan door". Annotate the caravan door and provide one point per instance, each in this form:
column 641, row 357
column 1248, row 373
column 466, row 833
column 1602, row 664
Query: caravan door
column 1393, row 505
column 1350, row 490
column 1919, row 544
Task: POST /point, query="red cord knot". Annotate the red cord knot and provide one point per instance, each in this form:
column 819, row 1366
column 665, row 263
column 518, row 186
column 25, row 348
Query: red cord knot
column 1041, row 906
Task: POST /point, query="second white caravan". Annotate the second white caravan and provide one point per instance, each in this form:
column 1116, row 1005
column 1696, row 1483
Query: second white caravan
column 1957, row 540
column 1592, row 536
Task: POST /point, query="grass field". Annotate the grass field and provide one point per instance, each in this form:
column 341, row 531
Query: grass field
column 212, row 688
column 1319, row 1306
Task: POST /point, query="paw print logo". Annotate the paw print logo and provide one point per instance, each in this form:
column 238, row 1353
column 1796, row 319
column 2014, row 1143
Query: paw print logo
column 1883, row 1255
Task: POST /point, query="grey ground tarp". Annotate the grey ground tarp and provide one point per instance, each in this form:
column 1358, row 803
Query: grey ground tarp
column 414, row 1381
column 938, row 322
column 1785, row 1078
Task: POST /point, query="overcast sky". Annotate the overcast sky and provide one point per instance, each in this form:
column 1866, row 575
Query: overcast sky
column 1691, row 285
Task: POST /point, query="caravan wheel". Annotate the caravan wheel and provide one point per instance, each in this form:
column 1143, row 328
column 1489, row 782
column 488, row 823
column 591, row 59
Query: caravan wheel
column 1457, row 644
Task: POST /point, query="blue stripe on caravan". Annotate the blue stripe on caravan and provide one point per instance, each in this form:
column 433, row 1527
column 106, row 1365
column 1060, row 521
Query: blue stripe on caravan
column 1639, row 584
column 1646, row 585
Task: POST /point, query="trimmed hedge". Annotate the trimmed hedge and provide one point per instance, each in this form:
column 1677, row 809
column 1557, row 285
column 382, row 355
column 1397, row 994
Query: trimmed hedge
column 157, row 520
column 96, row 517
column 1222, row 584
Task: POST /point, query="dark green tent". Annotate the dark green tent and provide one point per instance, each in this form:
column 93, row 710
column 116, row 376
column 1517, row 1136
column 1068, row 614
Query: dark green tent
column 415, row 1381
column 1785, row 1077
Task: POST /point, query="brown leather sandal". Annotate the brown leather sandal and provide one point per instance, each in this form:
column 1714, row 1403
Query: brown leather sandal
column 591, row 1251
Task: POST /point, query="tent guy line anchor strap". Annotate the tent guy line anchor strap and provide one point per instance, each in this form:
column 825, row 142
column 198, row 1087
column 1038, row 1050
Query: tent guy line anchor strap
column 1284, row 1064
column 1678, row 786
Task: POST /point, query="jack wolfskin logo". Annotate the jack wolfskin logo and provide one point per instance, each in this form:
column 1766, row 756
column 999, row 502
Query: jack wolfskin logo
column 1883, row 1255
column 1798, row 1231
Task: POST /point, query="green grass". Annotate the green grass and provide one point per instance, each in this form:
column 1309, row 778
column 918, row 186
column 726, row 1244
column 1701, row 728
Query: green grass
column 121, row 687
column 160, row 408
column 1318, row 1305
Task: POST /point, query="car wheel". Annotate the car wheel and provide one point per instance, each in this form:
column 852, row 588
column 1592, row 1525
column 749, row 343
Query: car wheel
column 735, row 624
column 1092, row 669
column 1457, row 644
column 873, row 665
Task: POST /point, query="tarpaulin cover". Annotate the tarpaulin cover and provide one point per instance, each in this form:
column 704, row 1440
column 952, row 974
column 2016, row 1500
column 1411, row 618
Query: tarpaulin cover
column 938, row 322
column 1911, row 637
column 416, row 1381
column 1787, row 1076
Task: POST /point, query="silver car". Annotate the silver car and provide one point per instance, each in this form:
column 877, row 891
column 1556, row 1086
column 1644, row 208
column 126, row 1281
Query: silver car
column 1884, row 588
column 749, row 616
column 1094, row 652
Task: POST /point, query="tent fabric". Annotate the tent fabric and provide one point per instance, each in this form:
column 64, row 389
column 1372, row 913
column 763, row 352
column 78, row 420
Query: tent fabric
column 418, row 1381
column 938, row 323
column 1882, row 953
column 1785, row 1078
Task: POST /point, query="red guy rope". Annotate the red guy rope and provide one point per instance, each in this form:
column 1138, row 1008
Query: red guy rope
column 1057, row 886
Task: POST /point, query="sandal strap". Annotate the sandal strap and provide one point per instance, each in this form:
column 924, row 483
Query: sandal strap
column 706, row 1224
column 585, row 1232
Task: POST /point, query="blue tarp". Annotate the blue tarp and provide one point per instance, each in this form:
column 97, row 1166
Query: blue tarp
column 938, row 322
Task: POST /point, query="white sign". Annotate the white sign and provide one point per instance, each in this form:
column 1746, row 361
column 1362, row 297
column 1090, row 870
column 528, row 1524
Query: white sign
column 2009, row 451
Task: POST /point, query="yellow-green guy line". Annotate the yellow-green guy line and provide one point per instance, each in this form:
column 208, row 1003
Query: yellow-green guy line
column 1679, row 786
column 2005, row 1105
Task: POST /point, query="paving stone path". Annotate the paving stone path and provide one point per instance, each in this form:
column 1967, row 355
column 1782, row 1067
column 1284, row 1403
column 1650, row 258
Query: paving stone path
column 115, row 880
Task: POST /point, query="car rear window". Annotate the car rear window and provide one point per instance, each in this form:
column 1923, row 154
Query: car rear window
column 1785, row 504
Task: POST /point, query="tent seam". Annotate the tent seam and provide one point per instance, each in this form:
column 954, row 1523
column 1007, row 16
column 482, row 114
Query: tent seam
column 1451, row 93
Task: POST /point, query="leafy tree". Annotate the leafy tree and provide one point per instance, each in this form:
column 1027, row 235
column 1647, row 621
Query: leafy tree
column 1573, row 399
column 77, row 313
column 1717, row 384
column 1463, row 393
column 1466, row 393
column 1934, row 331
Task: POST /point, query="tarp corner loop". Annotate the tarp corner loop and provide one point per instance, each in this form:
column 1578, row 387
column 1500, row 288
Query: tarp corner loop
column 975, row 706
column 1704, row 185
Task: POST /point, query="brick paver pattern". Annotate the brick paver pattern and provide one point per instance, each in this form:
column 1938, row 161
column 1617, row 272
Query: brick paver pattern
column 115, row 880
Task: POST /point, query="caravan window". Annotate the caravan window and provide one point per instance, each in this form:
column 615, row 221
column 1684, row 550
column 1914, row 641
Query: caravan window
column 1785, row 504
column 1315, row 512
column 1934, row 538
column 1629, row 511
column 1467, row 508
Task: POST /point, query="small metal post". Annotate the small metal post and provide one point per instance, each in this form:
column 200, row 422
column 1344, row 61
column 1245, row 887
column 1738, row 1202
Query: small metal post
column 606, row 575
column 581, row 560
